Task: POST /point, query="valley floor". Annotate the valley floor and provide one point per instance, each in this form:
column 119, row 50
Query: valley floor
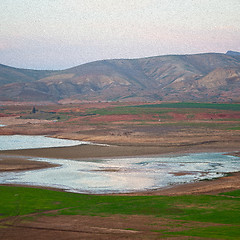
column 127, row 129
column 126, row 136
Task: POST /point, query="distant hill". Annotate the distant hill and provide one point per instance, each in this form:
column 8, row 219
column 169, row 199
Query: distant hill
column 198, row 77
column 233, row 53
column 12, row 75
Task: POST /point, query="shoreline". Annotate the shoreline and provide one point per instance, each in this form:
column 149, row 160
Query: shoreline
column 81, row 152
column 91, row 151
column 230, row 182
column 19, row 163
column 227, row 183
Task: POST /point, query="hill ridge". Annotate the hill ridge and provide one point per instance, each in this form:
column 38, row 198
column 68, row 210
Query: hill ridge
column 189, row 77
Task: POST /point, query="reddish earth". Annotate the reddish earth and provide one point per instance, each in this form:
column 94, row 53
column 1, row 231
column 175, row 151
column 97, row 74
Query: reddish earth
column 7, row 115
column 171, row 116
column 216, row 116
column 154, row 117
column 203, row 116
column 178, row 116
column 126, row 117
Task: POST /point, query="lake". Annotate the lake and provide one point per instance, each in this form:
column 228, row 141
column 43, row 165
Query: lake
column 99, row 176
column 13, row 142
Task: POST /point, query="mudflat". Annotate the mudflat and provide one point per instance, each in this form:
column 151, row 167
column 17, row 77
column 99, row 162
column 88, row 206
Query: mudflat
column 8, row 163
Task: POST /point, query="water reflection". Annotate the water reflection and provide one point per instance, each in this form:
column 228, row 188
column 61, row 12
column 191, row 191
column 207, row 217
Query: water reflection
column 126, row 174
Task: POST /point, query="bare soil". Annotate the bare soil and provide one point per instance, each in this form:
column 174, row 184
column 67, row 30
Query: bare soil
column 93, row 227
column 8, row 163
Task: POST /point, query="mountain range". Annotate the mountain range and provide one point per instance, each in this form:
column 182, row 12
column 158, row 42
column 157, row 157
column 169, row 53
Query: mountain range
column 212, row 77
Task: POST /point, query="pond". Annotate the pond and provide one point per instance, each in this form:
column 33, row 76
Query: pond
column 117, row 175
column 13, row 142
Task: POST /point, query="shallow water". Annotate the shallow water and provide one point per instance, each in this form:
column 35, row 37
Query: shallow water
column 126, row 174
column 14, row 142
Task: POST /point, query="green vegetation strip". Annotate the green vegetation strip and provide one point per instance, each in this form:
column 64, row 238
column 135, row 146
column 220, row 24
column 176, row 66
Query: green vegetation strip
column 222, row 209
column 128, row 110
column 234, row 128
column 206, row 208
column 164, row 108
column 222, row 106
column 213, row 232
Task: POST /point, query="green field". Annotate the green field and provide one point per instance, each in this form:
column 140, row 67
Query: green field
column 221, row 106
column 223, row 209
column 164, row 108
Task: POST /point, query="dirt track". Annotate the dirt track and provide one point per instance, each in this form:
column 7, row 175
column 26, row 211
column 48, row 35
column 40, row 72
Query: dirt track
column 94, row 227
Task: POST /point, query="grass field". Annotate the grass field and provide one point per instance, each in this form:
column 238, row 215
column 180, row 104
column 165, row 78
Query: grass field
column 219, row 213
column 167, row 107
column 222, row 106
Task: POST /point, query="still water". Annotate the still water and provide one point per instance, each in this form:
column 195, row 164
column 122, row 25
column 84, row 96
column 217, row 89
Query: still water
column 13, row 142
column 126, row 174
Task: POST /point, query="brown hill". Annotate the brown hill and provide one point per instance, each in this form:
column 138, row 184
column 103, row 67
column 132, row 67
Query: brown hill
column 12, row 75
column 199, row 77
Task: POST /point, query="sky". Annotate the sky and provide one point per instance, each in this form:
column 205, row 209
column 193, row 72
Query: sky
column 59, row 34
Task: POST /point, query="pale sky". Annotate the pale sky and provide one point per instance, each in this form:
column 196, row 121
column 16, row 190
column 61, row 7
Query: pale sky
column 58, row 34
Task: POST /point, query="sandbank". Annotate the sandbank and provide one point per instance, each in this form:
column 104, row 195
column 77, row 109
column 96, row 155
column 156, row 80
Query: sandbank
column 15, row 163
